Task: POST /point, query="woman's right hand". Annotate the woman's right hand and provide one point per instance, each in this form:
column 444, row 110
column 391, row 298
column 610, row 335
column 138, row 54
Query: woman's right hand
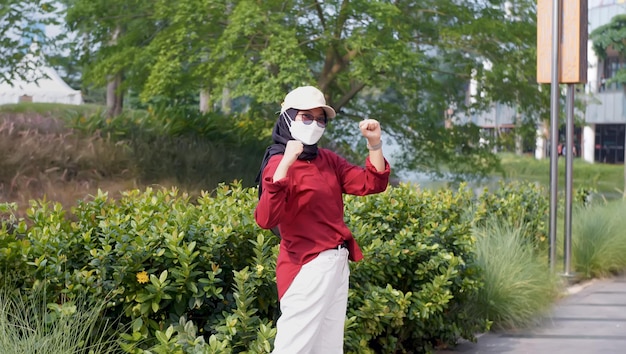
column 293, row 149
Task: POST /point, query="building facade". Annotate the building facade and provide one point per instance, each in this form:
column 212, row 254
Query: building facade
column 605, row 115
column 602, row 136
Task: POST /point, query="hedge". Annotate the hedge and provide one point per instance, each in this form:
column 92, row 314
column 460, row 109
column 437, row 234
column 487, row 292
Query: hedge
column 197, row 276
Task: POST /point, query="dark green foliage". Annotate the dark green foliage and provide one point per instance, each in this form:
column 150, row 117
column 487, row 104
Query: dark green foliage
column 193, row 256
column 14, row 269
column 21, row 23
column 189, row 276
column 184, row 146
column 412, row 288
column 610, row 38
column 517, row 204
column 403, row 63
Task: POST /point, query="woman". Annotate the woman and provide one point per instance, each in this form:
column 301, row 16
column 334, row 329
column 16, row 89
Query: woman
column 301, row 194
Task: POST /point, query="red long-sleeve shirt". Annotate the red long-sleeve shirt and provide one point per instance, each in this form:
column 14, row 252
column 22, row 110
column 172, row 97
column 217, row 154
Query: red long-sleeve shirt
column 307, row 206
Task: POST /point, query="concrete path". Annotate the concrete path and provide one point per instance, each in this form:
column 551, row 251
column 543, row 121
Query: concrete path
column 590, row 320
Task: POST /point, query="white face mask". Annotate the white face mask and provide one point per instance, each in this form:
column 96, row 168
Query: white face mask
column 307, row 134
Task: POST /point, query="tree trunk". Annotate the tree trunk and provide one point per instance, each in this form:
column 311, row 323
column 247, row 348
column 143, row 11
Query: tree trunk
column 205, row 99
column 115, row 97
column 519, row 149
column 226, row 101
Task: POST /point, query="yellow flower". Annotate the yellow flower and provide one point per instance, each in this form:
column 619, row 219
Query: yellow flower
column 142, row 277
column 259, row 269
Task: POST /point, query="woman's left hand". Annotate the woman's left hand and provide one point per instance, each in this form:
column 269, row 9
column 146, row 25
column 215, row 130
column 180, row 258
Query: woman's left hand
column 370, row 128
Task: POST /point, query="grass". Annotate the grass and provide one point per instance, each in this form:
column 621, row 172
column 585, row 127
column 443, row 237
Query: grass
column 28, row 325
column 518, row 285
column 606, row 179
column 50, row 109
column 599, row 240
column 59, row 110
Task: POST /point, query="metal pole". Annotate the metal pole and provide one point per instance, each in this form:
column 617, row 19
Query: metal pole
column 554, row 126
column 569, row 163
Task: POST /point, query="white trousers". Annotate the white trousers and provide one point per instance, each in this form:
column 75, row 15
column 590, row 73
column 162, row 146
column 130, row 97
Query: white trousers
column 313, row 309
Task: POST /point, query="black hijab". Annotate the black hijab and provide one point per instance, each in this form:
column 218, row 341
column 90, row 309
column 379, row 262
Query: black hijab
column 281, row 136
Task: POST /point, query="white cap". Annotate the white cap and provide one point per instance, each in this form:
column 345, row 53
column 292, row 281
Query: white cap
column 305, row 98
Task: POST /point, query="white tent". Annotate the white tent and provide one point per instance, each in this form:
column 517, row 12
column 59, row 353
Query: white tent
column 41, row 83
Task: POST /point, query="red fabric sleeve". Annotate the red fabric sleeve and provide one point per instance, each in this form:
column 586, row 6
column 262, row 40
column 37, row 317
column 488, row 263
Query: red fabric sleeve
column 361, row 181
column 271, row 205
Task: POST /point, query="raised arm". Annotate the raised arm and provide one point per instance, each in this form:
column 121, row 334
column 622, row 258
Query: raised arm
column 370, row 128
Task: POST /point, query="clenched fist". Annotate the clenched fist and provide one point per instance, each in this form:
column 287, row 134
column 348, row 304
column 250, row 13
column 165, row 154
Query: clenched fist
column 370, row 128
column 293, row 149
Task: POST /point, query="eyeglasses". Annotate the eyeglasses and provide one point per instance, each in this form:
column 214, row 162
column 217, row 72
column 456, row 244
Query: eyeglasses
column 309, row 118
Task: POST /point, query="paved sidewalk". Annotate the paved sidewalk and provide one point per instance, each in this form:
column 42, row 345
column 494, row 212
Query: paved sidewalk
column 590, row 320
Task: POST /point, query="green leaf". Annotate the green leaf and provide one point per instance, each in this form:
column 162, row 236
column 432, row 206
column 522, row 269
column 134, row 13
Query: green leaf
column 163, row 277
column 137, row 324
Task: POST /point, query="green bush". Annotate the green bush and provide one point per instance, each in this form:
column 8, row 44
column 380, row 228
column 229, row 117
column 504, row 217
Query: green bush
column 518, row 204
column 158, row 257
column 411, row 291
column 14, row 248
column 192, row 276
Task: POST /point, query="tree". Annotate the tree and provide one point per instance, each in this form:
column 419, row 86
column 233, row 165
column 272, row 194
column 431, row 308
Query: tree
column 402, row 62
column 612, row 37
column 510, row 52
column 19, row 27
column 110, row 37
